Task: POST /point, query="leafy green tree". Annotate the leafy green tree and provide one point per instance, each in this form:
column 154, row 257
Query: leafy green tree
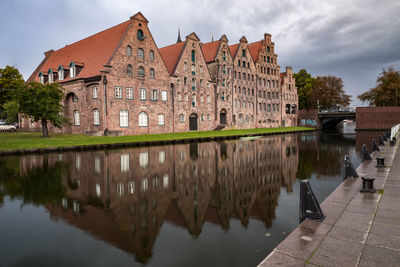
column 11, row 111
column 42, row 103
column 387, row 89
column 304, row 84
column 329, row 92
column 10, row 81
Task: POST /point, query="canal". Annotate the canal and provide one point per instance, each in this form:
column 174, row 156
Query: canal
column 226, row 203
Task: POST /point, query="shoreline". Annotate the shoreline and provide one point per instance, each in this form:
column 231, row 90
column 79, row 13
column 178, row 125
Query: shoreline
column 180, row 138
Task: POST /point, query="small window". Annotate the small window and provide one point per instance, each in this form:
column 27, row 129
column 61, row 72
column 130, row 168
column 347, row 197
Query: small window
column 96, row 117
column 140, row 53
column 73, row 71
column 143, row 119
column 151, row 55
column 75, row 98
column 161, row 119
column 61, row 74
column 223, row 55
column 194, row 84
column 77, row 120
column 140, row 35
column 152, row 75
column 141, row 72
column 193, row 69
column 142, row 94
column 129, row 51
column 95, row 92
column 123, row 118
column 244, row 64
column 243, row 52
column 201, row 83
column 154, row 95
column 194, row 100
column 129, row 93
column 129, row 70
column 185, row 66
column 41, row 78
column 181, row 118
column 208, row 117
column 118, row 92
column 193, row 56
column 164, row 95
column 51, row 77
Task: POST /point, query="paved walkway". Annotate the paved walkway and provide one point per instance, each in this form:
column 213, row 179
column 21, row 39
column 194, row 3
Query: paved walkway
column 360, row 229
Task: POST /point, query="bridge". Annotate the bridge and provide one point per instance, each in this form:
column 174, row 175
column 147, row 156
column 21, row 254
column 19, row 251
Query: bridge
column 331, row 119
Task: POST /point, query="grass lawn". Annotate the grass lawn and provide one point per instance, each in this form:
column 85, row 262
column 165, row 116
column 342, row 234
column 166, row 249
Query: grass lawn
column 34, row 140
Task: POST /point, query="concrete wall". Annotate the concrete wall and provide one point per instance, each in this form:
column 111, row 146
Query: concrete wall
column 377, row 118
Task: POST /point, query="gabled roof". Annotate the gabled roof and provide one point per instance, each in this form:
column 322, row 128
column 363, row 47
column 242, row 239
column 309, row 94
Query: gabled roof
column 170, row 55
column 254, row 49
column 210, row 51
column 282, row 75
column 233, row 49
column 94, row 52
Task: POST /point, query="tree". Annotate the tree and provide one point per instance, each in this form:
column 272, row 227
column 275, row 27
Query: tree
column 387, row 90
column 304, row 84
column 10, row 81
column 329, row 92
column 42, row 103
column 11, row 109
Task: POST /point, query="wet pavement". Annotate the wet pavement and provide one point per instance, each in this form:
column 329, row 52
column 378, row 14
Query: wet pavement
column 360, row 229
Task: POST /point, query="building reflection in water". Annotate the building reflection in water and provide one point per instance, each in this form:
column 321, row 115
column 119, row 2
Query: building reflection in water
column 124, row 196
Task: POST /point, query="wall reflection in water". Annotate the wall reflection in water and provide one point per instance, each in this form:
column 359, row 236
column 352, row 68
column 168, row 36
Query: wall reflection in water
column 124, row 196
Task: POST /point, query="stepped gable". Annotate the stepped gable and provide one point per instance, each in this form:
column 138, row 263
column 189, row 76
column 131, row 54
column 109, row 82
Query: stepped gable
column 171, row 54
column 254, row 49
column 233, row 49
column 93, row 52
column 210, row 51
column 282, row 75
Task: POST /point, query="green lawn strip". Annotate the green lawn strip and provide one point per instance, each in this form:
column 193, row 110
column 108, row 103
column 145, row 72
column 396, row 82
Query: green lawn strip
column 10, row 141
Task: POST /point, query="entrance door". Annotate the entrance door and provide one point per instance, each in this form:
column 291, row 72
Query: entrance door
column 193, row 122
column 222, row 116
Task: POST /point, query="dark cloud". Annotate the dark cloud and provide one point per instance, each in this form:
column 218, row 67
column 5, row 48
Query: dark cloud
column 351, row 39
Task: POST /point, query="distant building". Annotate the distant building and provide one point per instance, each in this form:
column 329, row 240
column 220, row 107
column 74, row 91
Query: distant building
column 119, row 81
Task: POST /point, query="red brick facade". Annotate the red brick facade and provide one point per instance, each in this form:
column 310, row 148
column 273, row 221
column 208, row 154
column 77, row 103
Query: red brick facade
column 119, row 81
column 377, row 118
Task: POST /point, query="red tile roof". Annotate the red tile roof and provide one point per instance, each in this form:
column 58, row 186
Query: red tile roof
column 233, row 49
column 254, row 49
column 170, row 55
column 93, row 52
column 210, row 51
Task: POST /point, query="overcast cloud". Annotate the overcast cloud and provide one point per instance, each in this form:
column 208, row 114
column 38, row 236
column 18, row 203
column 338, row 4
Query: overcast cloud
column 352, row 39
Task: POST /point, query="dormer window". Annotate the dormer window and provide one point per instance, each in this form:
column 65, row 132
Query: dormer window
column 41, row 78
column 72, row 70
column 51, row 76
column 60, row 73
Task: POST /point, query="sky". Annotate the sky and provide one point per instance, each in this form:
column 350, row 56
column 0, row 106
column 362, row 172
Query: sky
column 350, row 39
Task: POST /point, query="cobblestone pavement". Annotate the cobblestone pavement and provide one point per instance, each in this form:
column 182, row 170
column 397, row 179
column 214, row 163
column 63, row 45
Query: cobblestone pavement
column 360, row 229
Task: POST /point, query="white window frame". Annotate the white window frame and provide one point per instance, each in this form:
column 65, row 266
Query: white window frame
column 72, row 72
column 51, row 77
column 142, row 93
column 129, row 93
column 181, row 117
column 143, row 119
column 154, row 94
column 118, row 92
column 96, row 117
column 161, row 119
column 61, row 74
column 123, row 118
column 77, row 119
column 95, row 92
column 164, row 95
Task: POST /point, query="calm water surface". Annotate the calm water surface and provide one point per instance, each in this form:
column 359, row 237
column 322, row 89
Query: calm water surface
column 209, row 204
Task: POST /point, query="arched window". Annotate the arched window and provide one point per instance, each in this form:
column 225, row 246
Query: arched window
column 129, row 69
column 179, row 96
column 151, row 55
column 129, row 51
column 186, row 97
column 140, row 53
column 193, row 56
column 96, row 117
column 193, row 84
column 152, row 75
column 185, row 66
column 141, row 72
column 194, row 100
column 223, row 96
column 77, row 120
column 193, row 69
column 95, row 92
column 143, row 119
column 201, row 98
column 185, row 81
column 140, row 35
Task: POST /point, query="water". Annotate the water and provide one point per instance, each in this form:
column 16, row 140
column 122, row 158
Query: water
column 209, row 204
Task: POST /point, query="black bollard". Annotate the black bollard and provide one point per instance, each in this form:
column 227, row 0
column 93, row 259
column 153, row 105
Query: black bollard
column 309, row 206
column 380, row 141
column 368, row 185
column 349, row 170
column 374, row 145
column 380, row 162
column 365, row 153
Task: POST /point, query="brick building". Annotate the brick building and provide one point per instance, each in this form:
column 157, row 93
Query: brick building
column 118, row 81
